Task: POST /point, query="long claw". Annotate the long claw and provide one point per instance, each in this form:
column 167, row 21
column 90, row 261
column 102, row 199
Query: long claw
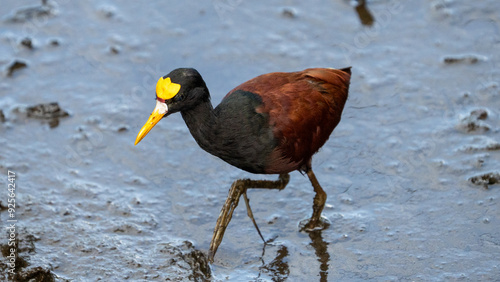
column 250, row 215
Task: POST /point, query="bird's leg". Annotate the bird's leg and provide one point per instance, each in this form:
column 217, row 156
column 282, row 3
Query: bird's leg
column 318, row 203
column 250, row 215
column 225, row 216
column 238, row 188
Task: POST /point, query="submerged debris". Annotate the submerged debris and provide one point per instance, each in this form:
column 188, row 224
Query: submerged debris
column 473, row 122
column 114, row 49
column 46, row 111
column 2, row 117
column 289, row 13
column 27, row 42
column 25, row 14
column 486, row 179
column 481, row 114
column 468, row 59
column 50, row 111
column 106, row 11
column 15, row 66
column 54, row 42
column 122, row 128
column 482, row 144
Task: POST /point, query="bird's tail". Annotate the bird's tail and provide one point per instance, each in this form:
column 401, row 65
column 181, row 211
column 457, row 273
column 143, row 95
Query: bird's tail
column 346, row 70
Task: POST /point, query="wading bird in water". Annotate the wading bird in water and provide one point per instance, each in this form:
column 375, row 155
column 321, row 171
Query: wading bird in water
column 271, row 124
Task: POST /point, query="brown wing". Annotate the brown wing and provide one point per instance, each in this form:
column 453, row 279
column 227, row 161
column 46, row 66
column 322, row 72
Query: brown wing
column 303, row 107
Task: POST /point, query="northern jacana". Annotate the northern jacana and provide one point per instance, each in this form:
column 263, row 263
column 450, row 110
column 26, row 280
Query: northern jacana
column 271, row 124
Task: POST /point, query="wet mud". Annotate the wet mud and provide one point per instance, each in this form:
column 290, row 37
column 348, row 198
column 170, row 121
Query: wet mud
column 50, row 112
column 15, row 66
column 486, row 179
column 28, row 13
column 411, row 172
column 2, row 116
column 25, row 271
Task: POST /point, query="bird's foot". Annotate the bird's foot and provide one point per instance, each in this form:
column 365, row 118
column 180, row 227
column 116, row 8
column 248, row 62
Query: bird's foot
column 238, row 189
column 225, row 217
column 312, row 224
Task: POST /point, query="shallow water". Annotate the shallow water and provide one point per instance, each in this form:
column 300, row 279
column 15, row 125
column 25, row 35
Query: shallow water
column 92, row 206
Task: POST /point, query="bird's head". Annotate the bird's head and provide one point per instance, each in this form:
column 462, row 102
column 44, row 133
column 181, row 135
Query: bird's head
column 177, row 91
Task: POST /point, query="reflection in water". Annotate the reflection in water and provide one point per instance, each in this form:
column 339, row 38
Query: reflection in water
column 364, row 14
column 278, row 269
column 321, row 250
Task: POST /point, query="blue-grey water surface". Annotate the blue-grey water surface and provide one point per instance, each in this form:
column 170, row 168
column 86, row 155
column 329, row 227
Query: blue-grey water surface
column 423, row 118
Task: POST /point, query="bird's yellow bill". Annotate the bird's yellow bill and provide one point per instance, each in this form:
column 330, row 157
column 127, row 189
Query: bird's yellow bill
column 158, row 113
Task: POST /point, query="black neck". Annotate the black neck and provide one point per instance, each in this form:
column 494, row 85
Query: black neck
column 201, row 120
column 232, row 131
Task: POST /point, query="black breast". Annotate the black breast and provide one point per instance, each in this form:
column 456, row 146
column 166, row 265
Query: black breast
column 242, row 136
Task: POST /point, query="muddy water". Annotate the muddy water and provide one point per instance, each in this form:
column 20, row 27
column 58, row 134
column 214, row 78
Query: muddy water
column 410, row 171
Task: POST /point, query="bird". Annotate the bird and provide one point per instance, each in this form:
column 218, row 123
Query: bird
column 271, row 124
